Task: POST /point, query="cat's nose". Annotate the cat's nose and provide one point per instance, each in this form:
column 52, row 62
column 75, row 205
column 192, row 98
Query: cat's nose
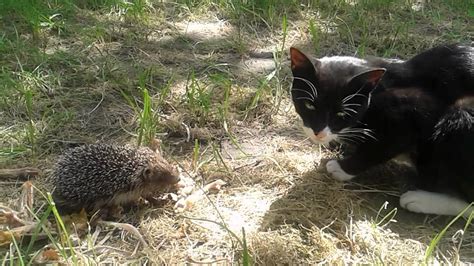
column 320, row 135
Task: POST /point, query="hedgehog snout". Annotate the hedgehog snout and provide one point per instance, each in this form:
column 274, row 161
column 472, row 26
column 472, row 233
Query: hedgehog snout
column 173, row 176
column 162, row 176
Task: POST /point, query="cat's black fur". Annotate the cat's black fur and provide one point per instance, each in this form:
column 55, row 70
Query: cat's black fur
column 421, row 106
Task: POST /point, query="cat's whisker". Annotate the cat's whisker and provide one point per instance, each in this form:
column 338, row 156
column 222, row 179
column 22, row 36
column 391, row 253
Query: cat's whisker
column 371, row 136
column 352, row 96
column 310, row 84
column 356, row 140
column 355, row 129
column 368, row 130
column 359, row 132
column 307, row 92
column 350, row 109
column 347, row 98
column 357, row 137
column 346, row 113
column 365, row 133
column 304, row 98
column 351, row 104
column 346, row 139
column 344, row 130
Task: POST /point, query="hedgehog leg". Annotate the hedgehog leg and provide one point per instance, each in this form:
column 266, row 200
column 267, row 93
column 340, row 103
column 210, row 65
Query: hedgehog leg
column 106, row 211
column 157, row 202
column 114, row 211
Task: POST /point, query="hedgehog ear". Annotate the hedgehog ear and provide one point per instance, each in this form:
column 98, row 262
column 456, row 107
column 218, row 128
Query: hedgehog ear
column 155, row 145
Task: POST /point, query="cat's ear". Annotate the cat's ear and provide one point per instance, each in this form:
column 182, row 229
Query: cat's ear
column 367, row 80
column 300, row 62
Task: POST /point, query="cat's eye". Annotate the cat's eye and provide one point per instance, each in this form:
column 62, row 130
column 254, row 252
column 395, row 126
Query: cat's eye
column 341, row 114
column 309, row 106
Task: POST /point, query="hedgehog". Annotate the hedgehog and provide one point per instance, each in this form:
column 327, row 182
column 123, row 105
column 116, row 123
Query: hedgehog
column 104, row 177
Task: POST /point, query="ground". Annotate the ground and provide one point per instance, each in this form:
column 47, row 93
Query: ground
column 210, row 79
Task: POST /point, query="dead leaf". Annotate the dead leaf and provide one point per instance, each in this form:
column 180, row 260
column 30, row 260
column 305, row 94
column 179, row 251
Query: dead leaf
column 27, row 197
column 188, row 201
column 216, row 185
column 6, row 237
column 77, row 222
column 11, row 219
column 50, row 255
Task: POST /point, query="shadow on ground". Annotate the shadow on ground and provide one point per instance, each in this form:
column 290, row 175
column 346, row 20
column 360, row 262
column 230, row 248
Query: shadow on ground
column 317, row 200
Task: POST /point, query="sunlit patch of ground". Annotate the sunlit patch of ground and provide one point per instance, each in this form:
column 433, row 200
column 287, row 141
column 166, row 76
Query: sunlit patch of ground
column 205, row 30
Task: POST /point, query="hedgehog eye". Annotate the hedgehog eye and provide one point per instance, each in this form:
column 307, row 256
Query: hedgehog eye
column 147, row 172
column 309, row 106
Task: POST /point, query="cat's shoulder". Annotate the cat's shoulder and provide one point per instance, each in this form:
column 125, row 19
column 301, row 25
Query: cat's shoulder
column 451, row 52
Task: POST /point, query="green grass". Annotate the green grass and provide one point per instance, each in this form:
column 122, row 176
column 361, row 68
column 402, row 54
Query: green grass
column 147, row 127
column 198, row 98
column 24, row 252
column 437, row 238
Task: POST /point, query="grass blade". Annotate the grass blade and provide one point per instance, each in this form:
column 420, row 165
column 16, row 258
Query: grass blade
column 435, row 241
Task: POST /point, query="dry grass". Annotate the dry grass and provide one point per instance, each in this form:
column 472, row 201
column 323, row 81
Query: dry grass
column 292, row 212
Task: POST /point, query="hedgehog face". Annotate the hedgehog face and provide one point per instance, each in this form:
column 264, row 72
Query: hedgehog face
column 161, row 172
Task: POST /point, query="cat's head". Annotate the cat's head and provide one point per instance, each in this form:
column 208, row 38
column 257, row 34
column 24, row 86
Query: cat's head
column 331, row 94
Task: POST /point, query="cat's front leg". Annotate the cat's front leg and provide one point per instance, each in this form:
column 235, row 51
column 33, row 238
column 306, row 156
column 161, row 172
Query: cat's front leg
column 365, row 156
column 334, row 169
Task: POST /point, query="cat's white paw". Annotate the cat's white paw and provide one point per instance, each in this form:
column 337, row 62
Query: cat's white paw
column 335, row 170
column 415, row 201
column 431, row 203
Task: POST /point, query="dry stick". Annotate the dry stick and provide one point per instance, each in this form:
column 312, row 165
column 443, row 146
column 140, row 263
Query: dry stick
column 11, row 219
column 27, row 199
column 199, row 194
column 11, row 216
column 190, row 259
column 223, row 224
column 20, row 173
column 127, row 227
column 103, row 248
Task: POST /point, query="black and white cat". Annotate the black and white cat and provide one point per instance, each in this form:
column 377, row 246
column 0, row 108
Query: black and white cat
column 385, row 107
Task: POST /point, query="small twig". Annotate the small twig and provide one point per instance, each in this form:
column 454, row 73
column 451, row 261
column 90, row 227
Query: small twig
column 190, row 259
column 9, row 183
column 97, row 106
column 386, row 192
column 6, row 209
column 27, row 198
column 185, row 203
column 224, row 226
column 188, row 132
column 95, row 235
column 101, row 248
column 127, row 227
column 23, row 229
column 106, row 237
column 135, row 250
column 11, row 219
column 254, row 163
column 20, row 173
